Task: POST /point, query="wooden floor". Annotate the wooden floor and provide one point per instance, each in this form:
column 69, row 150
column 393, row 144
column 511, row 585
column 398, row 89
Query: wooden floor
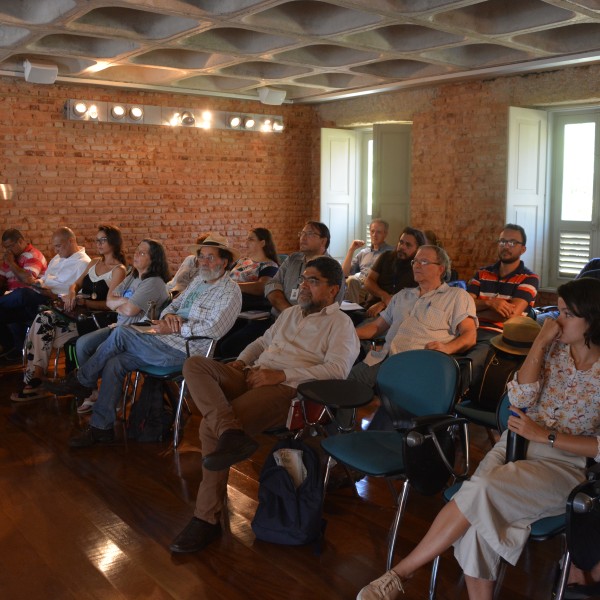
column 96, row 524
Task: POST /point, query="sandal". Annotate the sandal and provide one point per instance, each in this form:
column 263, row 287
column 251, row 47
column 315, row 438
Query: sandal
column 31, row 391
column 88, row 404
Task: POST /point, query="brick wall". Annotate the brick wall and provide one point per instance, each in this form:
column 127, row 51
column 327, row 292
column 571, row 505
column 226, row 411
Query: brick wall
column 161, row 182
column 459, row 155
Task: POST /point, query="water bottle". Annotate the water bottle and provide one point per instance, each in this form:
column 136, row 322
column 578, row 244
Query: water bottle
column 516, row 445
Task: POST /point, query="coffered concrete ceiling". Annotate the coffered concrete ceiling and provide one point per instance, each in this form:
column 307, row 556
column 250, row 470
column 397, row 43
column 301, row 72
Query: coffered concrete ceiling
column 314, row 50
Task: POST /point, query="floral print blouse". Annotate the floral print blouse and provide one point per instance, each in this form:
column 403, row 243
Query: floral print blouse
column 564, row 398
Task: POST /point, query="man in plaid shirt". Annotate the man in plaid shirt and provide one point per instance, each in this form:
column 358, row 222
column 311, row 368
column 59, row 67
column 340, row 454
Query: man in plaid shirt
column 208, row 307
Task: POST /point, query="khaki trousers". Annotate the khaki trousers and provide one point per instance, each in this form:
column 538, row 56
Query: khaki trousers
column 226, row 402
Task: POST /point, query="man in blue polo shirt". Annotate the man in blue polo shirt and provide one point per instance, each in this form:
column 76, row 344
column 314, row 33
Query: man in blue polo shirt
column 503, row 290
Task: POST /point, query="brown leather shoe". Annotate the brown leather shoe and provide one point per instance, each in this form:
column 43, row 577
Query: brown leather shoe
column 91, row 436
column 197, row 535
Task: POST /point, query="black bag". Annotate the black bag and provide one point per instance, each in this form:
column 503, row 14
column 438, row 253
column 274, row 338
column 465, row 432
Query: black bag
column 96, row 320
column 150, row 420
column 286, row 515
column 499, row 369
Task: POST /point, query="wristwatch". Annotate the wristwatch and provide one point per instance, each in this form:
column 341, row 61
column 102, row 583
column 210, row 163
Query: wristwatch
column 552, row 438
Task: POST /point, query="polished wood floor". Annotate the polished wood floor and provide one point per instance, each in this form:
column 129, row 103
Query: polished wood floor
column 96, row 524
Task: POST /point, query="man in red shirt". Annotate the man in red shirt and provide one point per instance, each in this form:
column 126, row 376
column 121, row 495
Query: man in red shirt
column 21, row 264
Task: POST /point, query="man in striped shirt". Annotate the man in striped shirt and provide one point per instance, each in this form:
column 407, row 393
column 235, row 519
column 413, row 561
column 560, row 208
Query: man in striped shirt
column 503, row 290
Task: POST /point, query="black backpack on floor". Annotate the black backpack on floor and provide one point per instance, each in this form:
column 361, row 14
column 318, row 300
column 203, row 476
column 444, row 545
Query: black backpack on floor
column 286, row 515
column 150, row 419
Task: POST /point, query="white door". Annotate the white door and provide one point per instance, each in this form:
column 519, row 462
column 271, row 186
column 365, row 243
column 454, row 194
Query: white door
column 526, row 182
column 391, row 176
column 338, row 188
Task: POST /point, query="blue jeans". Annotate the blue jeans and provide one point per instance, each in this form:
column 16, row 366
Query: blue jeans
column 87, row 344
column 17, row 311
column 124, row 351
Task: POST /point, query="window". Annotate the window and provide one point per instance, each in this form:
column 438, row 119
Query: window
column 574, row 193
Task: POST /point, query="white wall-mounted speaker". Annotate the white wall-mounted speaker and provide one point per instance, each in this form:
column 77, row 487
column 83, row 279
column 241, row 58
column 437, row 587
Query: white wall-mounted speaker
column 272, row 96
column 40, row 73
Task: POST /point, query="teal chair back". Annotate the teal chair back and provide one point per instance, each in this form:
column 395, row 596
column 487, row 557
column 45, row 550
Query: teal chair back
column 502, row 413
column 420, row 382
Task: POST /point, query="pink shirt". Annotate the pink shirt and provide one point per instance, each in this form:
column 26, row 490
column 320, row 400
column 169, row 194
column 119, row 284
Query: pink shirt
column 31, row 259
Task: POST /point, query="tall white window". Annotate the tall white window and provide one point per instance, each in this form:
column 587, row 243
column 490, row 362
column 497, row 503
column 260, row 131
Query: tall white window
column 574, row 193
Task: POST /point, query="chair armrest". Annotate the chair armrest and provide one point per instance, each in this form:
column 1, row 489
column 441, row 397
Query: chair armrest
column 194, row 338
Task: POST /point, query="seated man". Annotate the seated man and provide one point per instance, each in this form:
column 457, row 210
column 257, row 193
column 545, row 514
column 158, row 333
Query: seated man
column 503, row 290
column 312, row 340
column 208, row 307
column 21, row 305
column 433, row 316
column 392, row 271
column 187, row 270
column 22, row 263
column 356, row 269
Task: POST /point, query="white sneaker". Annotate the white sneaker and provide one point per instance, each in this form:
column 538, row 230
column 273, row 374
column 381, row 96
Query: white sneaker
column 87, row 405
column 387, row 587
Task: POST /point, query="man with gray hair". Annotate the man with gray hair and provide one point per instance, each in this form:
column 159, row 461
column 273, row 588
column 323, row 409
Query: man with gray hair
column 432, row 316
column 356, row 269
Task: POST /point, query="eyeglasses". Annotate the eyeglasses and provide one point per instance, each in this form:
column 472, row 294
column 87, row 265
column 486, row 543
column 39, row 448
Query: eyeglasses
column 308, row 234
column 509, row 243
column 207, row 257
column 423, row 262
column 312, row 281
column 101, row 240
column 140, row 253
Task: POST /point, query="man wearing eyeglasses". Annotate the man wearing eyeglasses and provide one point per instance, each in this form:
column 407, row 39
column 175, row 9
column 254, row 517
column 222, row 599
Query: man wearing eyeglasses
column 503, row 290
column 208, row 307
column 282, row 291
column 432, row 316
column 312, row 340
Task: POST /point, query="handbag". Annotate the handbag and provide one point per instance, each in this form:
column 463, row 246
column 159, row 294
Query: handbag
column 86, row 323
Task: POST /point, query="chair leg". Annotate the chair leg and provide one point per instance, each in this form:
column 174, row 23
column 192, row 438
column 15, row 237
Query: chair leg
column 559, row 593
column 24, row 350
column 403, row 497
column 433, row 580
column 56, row 359
column 177, row 422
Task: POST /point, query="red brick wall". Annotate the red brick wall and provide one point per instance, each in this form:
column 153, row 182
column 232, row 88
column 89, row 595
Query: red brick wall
column 161, row 182
column 459, row 154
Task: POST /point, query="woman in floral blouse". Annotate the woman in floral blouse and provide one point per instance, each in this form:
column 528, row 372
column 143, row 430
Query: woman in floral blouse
column 556, row 403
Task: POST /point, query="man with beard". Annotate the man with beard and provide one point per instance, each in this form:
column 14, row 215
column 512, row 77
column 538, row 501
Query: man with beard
column 503, row 290
column 208, row 307
column 392, row 271
column 312, row 340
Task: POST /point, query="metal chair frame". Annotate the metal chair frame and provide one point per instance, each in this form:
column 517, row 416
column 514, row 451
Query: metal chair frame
column 170, row 374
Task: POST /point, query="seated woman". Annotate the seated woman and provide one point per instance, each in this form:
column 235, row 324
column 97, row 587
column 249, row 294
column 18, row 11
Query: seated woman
column 489, row 517
column 251, row 273
column 187, row 270
column 50, row 328
column 143, row 287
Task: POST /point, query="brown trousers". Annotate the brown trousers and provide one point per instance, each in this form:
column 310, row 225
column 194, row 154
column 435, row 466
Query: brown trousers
column 226, row 402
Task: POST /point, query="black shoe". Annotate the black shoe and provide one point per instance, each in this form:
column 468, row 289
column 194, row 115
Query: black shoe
column 92, row 436
column 233, row 446
column 69, row 386
column 197, row 535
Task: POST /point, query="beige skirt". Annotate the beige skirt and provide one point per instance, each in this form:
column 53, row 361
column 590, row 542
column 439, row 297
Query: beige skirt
column 501, row 501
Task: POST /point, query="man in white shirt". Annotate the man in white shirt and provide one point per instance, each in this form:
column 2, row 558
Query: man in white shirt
column 357, row 269
column 311, row 340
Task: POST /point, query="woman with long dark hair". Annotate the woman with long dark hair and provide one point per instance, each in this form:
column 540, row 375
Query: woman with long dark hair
column 53, row 329
column 555, row 399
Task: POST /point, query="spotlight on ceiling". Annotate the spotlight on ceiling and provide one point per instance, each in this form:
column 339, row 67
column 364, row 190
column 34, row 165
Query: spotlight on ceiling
column 136, row 113
column 267, row 125
column 117, row 112
column 79, row 109
column 235, row 121
column 93, row 112
column 277, row 126
column 249, row 122
column 187, row 118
